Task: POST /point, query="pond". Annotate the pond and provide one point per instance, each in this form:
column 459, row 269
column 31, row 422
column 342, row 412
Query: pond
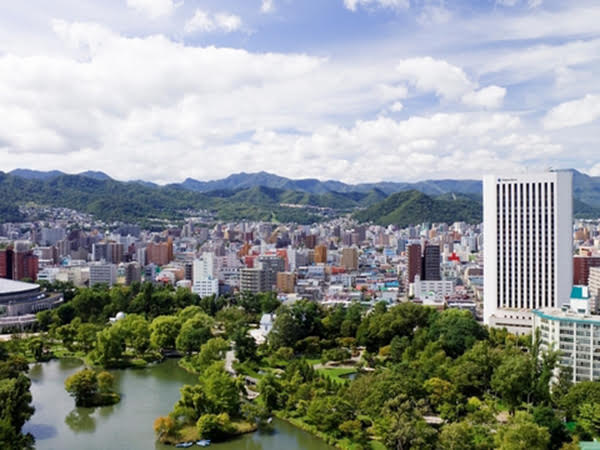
column 145, row 394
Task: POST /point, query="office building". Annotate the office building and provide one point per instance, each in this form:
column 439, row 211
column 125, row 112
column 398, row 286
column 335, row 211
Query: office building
column 160, row 253
column 528, row 237
column 581, row 268
column 350, row 258
column 438, row 288
column 414, row 266
column 205, row 282
column 253, row 280
column 286, row 282
column 103, row 274
column 133, row 273
column 594, row 285
column 310, row 241
column 271, row 265
column 321, row 254
column 6, row 263
column 431, row 263
column 19, row 263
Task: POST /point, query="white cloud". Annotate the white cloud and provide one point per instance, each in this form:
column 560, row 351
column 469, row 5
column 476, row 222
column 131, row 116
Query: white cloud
column 267, row 6
column 434, row 15
column 489, row 97
column 204, row 22
column 153, row 108
column 396, row 107
column 573, row 113
column 448, row 82
column 432, row 75
column 152, row 8
column 397, row 5
column 511, row 3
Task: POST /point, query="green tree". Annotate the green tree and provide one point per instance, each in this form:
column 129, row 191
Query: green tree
column 194, row 333
column 86, row 336
column 15, row 401
column 164, row 332
column 402, row 426
column 512, row 379
column 83, row 386
column 110, row 344
column 580, row 393
column 456, row 331
column 36, row 347
column 589, row 419
column 545, row 416
column 269, row 389
column 522, row 433
column 457, row 436
column 214, row 426
column 105, row 381
column 244, row 345
column 213, row 350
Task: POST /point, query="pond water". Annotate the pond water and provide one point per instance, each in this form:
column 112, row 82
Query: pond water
column 145, row 394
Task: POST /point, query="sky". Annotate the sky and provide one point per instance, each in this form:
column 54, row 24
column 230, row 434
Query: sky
column 352, row 90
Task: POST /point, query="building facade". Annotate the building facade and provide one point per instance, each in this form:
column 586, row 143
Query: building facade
column 253, row 280
column 575, row 333
column 527, row 246
column 103, row 274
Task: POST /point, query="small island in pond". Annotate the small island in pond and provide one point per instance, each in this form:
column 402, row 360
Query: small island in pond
column 90, row 388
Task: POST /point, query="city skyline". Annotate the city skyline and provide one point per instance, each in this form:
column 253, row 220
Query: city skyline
column 359, row 90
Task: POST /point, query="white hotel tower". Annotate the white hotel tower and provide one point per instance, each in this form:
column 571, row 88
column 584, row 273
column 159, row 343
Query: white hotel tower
column 528, row 240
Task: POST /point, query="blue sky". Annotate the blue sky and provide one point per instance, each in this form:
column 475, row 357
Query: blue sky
column 356, row 90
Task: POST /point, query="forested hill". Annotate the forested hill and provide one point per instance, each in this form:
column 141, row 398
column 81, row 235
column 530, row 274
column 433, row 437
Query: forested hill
column 414, row 207
column 111, row 200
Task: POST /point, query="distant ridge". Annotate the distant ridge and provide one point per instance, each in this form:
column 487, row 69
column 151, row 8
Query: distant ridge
column 262, row 196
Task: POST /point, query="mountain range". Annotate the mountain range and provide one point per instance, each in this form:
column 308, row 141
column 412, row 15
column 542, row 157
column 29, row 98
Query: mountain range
column 262, row 196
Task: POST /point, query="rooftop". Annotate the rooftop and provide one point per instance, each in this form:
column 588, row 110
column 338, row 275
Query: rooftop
column 12, row 287
column 580, row 293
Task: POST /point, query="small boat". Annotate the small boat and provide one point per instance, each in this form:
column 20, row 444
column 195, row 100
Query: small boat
column 203, row 443
column 184, row 445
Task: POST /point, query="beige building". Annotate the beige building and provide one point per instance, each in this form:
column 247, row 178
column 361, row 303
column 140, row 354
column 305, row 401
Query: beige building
column 350, row 258
column 286, row 282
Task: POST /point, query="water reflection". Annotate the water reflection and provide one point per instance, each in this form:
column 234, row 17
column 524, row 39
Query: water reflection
column 80, row 420
column 41, row 431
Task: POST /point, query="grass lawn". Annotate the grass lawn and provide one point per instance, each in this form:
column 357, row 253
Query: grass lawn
column 337, row 373
column 190, row 433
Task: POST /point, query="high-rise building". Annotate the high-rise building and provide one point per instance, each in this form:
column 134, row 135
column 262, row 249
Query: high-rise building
column 133, row 273
column 271, row 265
column 286, row 282
column 205, row 282
column 431, row 263
column 594, row 285
column 160, row 254
column 321, row 254
column 350, row 258
column 414, row 261
column 581, row 268
column 253, row 280
column 310, row 241
column 528, row 221
column 6, row 263
column 19, row 263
